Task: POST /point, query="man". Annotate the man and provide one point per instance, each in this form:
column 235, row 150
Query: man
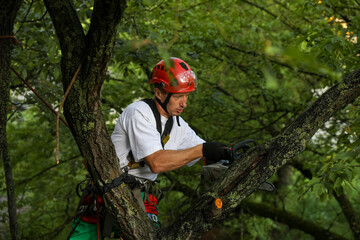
column 137, row 140
column 150, row 137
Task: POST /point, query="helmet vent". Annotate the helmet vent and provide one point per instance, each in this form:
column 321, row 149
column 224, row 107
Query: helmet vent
column 162, row 68
column 183, row 65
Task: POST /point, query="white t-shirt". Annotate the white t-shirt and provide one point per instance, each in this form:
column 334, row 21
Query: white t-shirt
column 136, row 130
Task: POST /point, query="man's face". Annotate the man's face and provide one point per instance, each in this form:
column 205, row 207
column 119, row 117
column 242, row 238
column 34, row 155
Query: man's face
column 177, row 103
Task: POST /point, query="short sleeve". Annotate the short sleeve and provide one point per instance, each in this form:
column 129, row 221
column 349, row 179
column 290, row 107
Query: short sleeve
column 143, row 135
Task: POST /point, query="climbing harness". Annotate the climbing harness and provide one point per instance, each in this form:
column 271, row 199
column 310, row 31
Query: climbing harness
column 91, row 207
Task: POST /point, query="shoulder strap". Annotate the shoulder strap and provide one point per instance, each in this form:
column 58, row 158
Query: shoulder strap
column 164, row 137
column 156, row 113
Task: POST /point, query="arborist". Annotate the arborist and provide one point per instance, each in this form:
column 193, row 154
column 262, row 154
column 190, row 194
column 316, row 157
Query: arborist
column 150, row 137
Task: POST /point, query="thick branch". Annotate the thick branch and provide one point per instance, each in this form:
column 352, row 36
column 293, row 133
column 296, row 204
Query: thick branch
column 68, row 28
column 261, row 162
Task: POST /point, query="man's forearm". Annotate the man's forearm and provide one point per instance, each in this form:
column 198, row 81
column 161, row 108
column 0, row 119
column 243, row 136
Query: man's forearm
column 167, row 160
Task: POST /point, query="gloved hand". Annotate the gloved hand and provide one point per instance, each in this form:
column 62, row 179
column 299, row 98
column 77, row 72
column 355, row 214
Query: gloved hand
column 213, row 152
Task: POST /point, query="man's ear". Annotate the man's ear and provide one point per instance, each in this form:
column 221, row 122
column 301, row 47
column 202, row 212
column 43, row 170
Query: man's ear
column 159, row 94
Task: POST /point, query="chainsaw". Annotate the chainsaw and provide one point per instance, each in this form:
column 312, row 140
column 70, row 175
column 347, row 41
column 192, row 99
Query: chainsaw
column 213, row 172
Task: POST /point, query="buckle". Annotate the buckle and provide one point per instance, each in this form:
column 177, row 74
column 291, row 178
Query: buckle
column 142, row 181
column 153, row 217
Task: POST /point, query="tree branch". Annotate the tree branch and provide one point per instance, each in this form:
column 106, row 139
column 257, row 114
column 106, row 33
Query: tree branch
column 343, row 201
column 293, row 221
column 68, row 29
column 296, row 29
column 261, row 162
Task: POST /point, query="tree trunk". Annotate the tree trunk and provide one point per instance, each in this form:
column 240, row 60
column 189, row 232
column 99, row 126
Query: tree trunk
column 82, row 108
column 8, row 13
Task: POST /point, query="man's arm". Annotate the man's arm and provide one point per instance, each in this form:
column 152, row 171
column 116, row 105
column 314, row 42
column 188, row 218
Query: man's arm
column 167, row 160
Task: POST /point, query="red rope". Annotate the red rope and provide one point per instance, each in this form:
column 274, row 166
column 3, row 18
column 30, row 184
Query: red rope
column 10, row 37
column 33, row 90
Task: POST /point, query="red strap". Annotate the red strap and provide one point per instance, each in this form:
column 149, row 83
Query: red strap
column 150, row 205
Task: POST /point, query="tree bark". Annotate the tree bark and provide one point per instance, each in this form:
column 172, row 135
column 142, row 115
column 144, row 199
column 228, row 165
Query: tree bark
column 8, row 14
column 83, row 113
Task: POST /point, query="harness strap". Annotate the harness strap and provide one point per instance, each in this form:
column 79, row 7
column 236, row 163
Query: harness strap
column 125, row 177
column 107, row 228
column 168, row 125
column 164, row 136
column 165, row 103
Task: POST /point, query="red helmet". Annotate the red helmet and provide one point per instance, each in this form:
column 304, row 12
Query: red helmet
column 178, row 78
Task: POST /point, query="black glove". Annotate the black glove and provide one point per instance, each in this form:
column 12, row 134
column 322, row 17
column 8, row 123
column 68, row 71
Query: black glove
column 214, row 152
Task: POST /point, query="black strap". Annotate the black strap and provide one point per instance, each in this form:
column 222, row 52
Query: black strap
column 165, row 103
column 124, row 177
column 107, row 222
column 168, row 125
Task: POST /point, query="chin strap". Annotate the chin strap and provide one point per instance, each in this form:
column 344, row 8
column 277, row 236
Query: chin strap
column 164, row 106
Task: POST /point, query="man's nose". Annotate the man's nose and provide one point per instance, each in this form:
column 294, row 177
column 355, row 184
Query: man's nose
column 183, row 102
